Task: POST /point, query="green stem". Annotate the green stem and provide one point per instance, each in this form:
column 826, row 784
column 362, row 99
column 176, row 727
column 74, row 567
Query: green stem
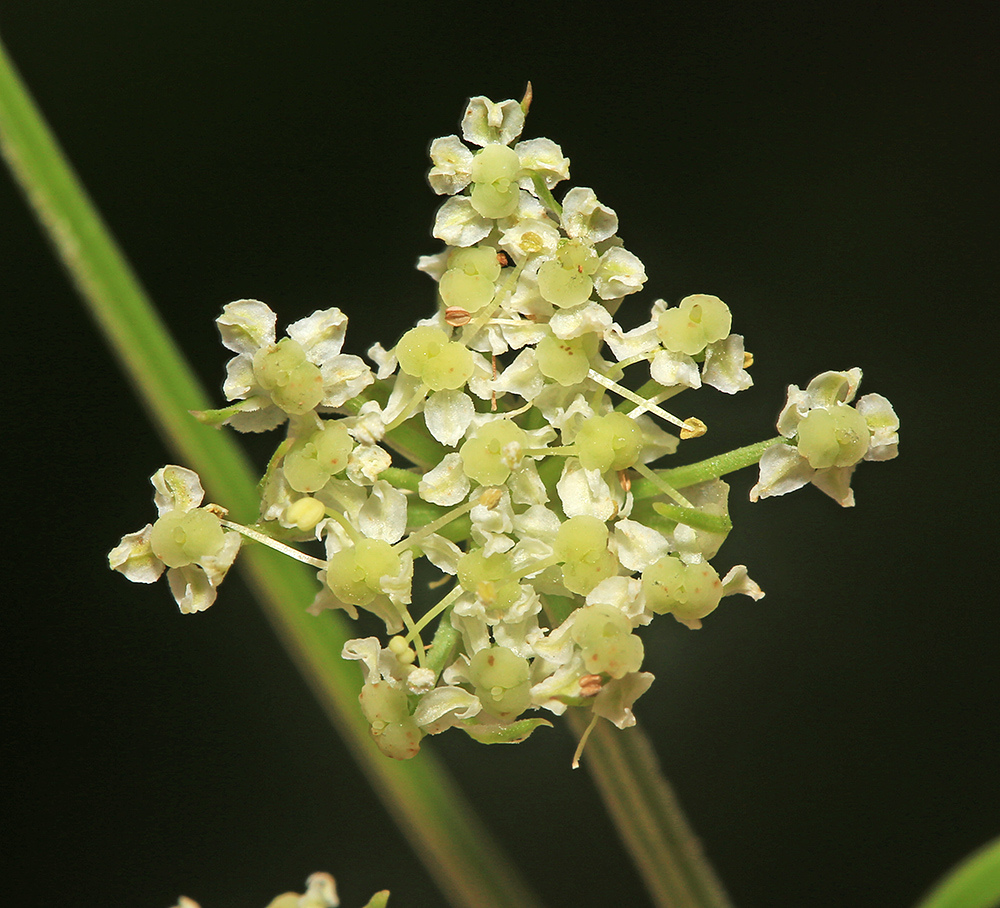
column 648, row 817
column 440, row 824
column 704, row 470
column 692, row 517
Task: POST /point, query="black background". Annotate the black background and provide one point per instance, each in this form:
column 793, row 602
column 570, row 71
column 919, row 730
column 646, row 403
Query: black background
column 824, row 172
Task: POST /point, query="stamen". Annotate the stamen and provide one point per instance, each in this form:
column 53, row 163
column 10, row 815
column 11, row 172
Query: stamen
column 590, row 685
column 264, row 539
column 689, row 427
column 456, row 316
column 435, row 525
column 426, row 619
column 583, row 740
column 658, row 481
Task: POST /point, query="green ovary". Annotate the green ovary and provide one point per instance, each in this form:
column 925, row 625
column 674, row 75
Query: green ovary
column 610, row 442
column 354, row 574
column 468, row 282
column 392, row 727
column 564, row 361
column 296, row 385
column 582, row 545
column 697, row 321
column 180, row 538
column 687, row 591
column 426, row 353
column 309, row 465
column 501, row 679
column 835, row 437
column 488, row 456
column 495, row 192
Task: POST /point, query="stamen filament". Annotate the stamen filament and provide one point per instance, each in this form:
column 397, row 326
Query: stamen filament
column 583, row 740
column 486, row 313
column 427, row 618
column 435, row 525
column 409, row 409
column 264, row 539
column 606, row 382
column 561, row 450
column 346, row 524
column 534, row 567
column 643, row 470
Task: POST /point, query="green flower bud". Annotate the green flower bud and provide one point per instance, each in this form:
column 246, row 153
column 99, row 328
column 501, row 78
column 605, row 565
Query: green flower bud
column 610, row 442
column 566, row 280
column 605, row 636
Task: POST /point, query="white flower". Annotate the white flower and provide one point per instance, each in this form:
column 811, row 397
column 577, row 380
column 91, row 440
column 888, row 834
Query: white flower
column 446, row 484
column 617, row 697
column 724, row 365
column 530, row 236
column 300, row 373
column 447, row 415
column 187, row 540
column 830, row 436
column 585, row 492
column 383, row 515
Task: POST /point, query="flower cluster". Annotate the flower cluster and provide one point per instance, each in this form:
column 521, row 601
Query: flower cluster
column 508, row 439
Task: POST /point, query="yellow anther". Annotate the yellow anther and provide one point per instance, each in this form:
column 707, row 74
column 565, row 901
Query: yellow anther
column 693, row 428
column 490, row 498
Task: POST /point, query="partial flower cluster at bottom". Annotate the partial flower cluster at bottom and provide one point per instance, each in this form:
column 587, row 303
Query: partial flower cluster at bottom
column 321, row 892
column 518, row 441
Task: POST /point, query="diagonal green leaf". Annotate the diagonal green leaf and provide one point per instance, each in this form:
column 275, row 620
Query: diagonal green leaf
column 439, row 823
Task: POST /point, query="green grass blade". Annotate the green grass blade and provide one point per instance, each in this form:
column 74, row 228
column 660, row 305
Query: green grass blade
column 456, row 849
column 648, row 817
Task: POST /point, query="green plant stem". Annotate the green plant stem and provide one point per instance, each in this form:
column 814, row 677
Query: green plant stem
column 456, row 849
column 704, row 470
column 648, row 817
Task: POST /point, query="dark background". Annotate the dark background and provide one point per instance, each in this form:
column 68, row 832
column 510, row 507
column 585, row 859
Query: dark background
column 823, row 172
